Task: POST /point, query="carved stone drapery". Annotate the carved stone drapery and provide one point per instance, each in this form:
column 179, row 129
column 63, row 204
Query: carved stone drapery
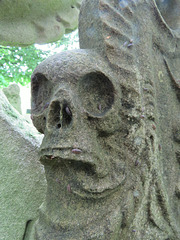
column 110, row 117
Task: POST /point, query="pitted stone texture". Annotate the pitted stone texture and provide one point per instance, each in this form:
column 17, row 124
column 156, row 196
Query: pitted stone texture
column 26, row 22
column 12, row 93
column 22, row 181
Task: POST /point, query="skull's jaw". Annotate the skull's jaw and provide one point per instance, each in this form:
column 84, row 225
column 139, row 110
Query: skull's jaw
column 80, row 175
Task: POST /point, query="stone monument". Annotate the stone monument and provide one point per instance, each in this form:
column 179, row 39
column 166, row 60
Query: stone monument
column 110, row 114
column 22, row 180
column 12, row 93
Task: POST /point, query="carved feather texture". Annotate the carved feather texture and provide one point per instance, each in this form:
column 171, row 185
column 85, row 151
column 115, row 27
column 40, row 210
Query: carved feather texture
column 133, row 44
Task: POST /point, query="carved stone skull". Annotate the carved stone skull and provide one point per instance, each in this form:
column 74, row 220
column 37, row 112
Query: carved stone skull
column 77, row 108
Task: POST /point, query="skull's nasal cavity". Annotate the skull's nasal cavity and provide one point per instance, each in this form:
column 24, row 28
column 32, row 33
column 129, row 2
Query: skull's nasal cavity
column 60, row 115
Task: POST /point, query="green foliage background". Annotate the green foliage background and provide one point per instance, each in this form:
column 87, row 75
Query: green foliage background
column 17, row 63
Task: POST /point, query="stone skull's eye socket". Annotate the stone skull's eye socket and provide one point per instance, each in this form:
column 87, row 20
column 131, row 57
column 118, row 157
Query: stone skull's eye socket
column 96, row 92
column 40, row 90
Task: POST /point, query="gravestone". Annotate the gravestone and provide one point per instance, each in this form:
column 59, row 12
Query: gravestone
column 110, row 115
column 22, row 181
column 12, row 93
